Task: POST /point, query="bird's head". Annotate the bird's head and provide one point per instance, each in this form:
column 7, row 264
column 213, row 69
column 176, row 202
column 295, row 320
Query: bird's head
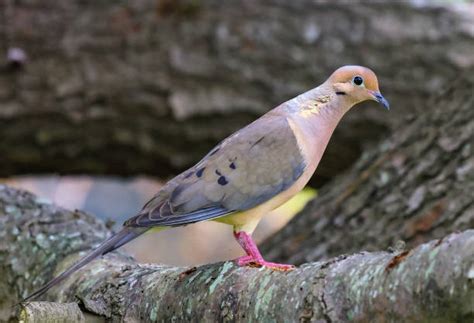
column 357, row 84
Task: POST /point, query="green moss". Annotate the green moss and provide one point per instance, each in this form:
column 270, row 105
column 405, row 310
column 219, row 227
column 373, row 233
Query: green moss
column 225, row 268
column 263, row 297
column 42, row 200
column 154, row 314
column 43, row 241
column 10, row 209
column 432, row 258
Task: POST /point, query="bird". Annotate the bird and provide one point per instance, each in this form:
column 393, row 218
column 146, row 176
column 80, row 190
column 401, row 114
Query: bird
column 251, row 172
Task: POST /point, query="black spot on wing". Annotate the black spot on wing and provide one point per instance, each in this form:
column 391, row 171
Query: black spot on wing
column 232, row 165
column 200, row 171
column 222, row 181
column 218, row 173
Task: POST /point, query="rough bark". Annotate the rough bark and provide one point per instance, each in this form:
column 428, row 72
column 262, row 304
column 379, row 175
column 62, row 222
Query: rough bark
column 38, row 312
column 150, row 86
column 432, row 283
column 416, row 186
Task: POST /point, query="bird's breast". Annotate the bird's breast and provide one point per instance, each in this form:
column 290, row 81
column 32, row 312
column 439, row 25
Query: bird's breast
column 312, row 137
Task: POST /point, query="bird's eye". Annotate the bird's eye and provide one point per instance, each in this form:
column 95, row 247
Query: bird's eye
column 357, row 80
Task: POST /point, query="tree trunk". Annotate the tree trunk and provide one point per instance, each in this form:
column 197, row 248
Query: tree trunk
column 433, row 282
column 150, row 86
column 417, row 185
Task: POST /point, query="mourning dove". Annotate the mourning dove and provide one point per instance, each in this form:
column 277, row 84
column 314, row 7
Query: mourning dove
column 251, row 172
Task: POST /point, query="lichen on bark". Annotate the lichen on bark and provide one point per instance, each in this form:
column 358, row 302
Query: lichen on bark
column 432, row 281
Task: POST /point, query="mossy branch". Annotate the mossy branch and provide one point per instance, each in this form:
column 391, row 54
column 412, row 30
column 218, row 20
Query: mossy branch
column 434, row 281
column 50, row 312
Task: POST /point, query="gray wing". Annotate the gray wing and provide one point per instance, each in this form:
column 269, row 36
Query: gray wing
column 246, row 169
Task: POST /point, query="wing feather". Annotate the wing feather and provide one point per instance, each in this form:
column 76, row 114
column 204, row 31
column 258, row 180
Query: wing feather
column 243, row 171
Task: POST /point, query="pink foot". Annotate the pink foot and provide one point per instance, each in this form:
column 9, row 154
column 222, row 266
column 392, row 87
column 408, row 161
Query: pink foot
column 254, row 258
column 251, row 262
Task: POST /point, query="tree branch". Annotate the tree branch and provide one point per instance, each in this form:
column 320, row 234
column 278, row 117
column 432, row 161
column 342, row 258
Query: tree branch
column 50, row 312
column 432, row 281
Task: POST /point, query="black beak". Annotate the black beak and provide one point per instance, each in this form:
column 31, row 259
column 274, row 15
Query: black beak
column 380, row 99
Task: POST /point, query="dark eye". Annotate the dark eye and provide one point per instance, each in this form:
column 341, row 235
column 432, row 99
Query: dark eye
column 357, row 80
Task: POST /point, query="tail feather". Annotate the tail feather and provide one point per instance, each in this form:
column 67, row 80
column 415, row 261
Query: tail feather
column 114, row 242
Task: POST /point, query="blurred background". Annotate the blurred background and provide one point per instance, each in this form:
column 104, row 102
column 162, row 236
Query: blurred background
column 101, row 102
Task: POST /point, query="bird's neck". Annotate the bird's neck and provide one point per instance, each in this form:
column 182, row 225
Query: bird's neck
column 315, row 114
column 319, row 109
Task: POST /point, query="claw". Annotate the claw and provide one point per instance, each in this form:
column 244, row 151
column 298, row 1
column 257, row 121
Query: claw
column 253, row 257
column 252, row 262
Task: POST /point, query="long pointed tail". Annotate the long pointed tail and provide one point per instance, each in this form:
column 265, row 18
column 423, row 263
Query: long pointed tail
column 114, row 242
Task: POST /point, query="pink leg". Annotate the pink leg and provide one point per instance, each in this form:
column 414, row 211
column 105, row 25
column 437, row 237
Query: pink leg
column 254, row 258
